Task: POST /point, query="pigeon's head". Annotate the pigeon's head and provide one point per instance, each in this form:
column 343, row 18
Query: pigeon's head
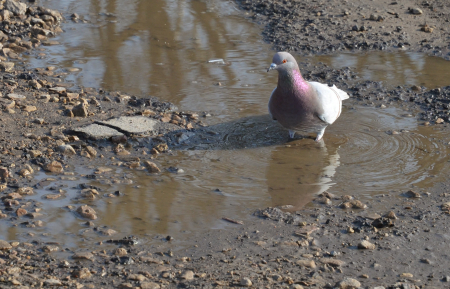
column 283, row 61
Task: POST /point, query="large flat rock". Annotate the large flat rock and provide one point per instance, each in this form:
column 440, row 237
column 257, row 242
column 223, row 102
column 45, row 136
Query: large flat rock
column 132, row 124
column 97, row 132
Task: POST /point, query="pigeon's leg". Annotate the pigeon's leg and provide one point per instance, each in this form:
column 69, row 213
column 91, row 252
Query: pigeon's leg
column 320, row 134
column 291, row 133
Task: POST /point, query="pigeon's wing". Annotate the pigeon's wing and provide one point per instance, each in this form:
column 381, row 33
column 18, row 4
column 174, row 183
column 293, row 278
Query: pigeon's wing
column 269, row 104
column 330, row 100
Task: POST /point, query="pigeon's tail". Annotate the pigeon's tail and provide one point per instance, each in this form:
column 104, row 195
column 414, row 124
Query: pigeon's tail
column 342, row 94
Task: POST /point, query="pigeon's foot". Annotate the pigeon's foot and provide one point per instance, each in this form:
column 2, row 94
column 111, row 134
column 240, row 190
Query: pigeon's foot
column 320, row 135
column 291, row 134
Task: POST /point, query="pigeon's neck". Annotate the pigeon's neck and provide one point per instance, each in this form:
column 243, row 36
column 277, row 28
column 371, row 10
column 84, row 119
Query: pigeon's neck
column 293, row 80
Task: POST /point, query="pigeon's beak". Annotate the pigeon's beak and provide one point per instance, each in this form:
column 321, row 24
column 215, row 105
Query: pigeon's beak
column 272, row 66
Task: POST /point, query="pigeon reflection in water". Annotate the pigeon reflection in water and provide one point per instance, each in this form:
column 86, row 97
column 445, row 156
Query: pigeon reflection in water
column 296, row 175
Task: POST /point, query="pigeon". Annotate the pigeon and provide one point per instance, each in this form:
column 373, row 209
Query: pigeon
column 300, row 105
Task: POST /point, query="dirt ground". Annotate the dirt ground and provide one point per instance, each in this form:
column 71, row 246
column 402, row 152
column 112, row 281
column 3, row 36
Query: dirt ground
column 393, row 241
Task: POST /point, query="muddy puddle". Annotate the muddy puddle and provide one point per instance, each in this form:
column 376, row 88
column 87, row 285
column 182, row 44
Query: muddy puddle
column 241, row 162
column 399, row 68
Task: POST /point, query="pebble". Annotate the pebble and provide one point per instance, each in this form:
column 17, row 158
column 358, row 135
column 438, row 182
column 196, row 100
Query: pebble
column 87, row 212
column 53, row 167
column 21, row 212
column 82, row 273
column 151, row 167
column 348, row 283
column 332, row 262
column 83, row 256
column 416, row 11
column 80, row 110
column 412, row 194
column 120, row 252
column 4, row 245
column 187, row 275
column 246, row 282
column 406, row 275
column 390, row 215
column 67, row 150
column 52, row 282
column 150, row 285
column 137, row 277
column 306, row 263
column 366, row 245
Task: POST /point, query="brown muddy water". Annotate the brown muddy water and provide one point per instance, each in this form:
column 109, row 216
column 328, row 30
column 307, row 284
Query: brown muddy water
column 164, row 49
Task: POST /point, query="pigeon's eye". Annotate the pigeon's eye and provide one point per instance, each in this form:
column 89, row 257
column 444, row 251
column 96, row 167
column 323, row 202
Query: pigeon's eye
column 284, row 60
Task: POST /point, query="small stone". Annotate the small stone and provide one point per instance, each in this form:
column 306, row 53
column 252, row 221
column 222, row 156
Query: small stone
column 54, row 167
column 21, row 212
column 151, row 167
column 80, row 110
column 59, row 90
column 390, row 215
column 34, row 84
column 427, row 29
column 306, row 231
column 89, row 194
column 323, row 200
column 4, row 245
column 246, row 282
column 358, row 204
column 412, row 194
column 87, row 212
column 50, row 248
column 150, row 285
column 345, row 205
column 29, row 108
column 348, row 283
column 439, row 121
column 13, row 270
column 35, row 153
column 187, row 275
column 137, row 277
column 83, row 256
column 306, row 263
column 82, row 273
column 92, row 151
column 120, row 252
column 52, row 282
column 406, row 275
column 383, row 223
column 426, row 261
column 416, row 11
column 71, row 96
column 151, row 260
column 4, row 173
column 332, row 262
column 6, row 66
column 366, row 245
column 34, row 215
column 67, row 150
column 38, row 121
column 16, row 7
column 108, row 232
